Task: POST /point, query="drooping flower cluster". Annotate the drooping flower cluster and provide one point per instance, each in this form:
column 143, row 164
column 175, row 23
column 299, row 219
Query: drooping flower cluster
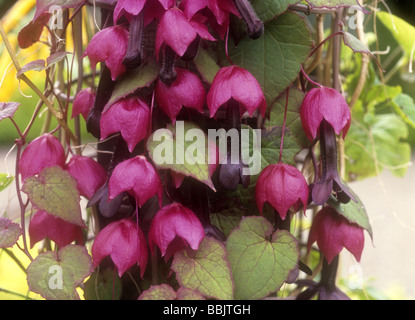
column 47, row 151
column 182, row 27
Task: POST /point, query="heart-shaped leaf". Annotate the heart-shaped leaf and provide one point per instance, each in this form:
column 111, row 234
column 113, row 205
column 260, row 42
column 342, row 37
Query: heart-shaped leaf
column 185, row 149
column 132, row 80
column 9, row 233
column 275, row 59
column 206, row 270
column 54, row 191
column 261, row 260
column 55, row 275
column 160, row 292
column 103, row 285
column 269, row 9
column 332, row 3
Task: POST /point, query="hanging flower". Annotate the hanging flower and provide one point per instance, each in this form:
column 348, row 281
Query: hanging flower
column 43, row 225
column 239, row 84
column 173, row 228
column 283, row 187
column 124, row 243
column 139, row 178
column 325, row 113
column 177, row 32
column 187, row 90
column 89, row 174
column 108, row 45
column 130, row 116
column 333, row 232
column 44, row 151
column 328, row 104
column 83, row 103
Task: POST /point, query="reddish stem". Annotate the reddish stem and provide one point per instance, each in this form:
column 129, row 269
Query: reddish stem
column 284, row 123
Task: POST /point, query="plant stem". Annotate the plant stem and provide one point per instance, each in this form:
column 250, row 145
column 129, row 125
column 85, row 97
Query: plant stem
column 284, row 123
column 58, row 115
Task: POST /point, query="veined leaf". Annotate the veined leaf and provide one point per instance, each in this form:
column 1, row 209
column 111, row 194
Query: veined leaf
column 54, row 191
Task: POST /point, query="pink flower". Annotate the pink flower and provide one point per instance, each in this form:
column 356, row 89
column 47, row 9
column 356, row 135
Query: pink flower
column 109, row 45
column 134, row 7
column 333, row 232
column 44, row 151
column 328, row 104
column 83, row 102
column 219, row 8
column 239, row 84
column 43, row 225
column 282, row 186
column 130, row 116
column 187, row 90
column 138, row 177
column 173, row 228
column 89, row 174
column 124, row 243
column 177, row 32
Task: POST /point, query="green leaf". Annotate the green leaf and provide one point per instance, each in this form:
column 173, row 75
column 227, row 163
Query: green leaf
column 358, row 46
column 275, row 59
column 404, row 105
column 9, row 233
column 55, row 275
column 402, row 31
column 268, row 9
column 353, row 211
column 293, row 121
column 54, row 191
column 206, row 64
column 5, row 181
column 189, row 294
column 261, row 260
column 332, row 3
column 104, row 285
column 206, row 270
column 159, row 292
column 184, row 149
column 377, row 142
column 132, row 80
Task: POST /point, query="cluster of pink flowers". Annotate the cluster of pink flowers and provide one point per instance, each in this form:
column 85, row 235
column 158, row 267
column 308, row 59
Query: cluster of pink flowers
column 180, row 31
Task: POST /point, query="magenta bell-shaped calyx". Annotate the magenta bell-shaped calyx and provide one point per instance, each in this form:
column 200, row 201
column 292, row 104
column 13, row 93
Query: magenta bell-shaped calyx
column 333, row 232
column 89, row 174
column 177, row 32
column 125, row 244
column 328, row 104
column 138, row 177
column 187, row 90
column 43, row 225
column 173, row 228
column 44, row 151
column 239, row 84
column 109, row 45
column 282, row 186
column 130, row 116
column 83, row 103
